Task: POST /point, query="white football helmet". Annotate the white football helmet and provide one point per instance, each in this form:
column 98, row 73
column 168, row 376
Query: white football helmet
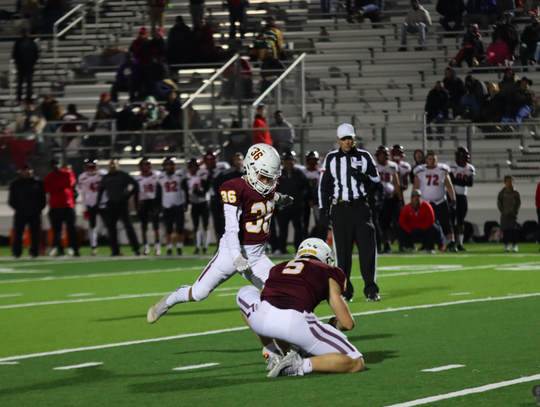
column 317, row 248
column 262, row 159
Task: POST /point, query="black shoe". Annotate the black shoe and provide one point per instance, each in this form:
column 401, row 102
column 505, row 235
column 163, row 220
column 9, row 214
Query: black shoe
column 387, row 249
column 451, row 247
column 373, row 297
column 197, row 251
column 205, row 250
column 179, row 251
column 137, row 253
column 460, row 248
column 169, row 252
column 76, row 254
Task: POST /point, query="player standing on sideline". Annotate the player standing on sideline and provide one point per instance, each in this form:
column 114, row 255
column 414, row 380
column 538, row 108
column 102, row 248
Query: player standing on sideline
column 293, row 290
column 393, row 197
column 148, row 209
column 462, row 174
column 171, row 198
column 248, row 206
column 213, row 168
column 89, row 181
column 431, row 179
column 197, row 196
column 397, row 153
column 313, row 173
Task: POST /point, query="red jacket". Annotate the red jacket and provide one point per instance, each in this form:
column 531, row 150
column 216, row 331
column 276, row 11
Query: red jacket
column 263, row 135
column 59, row 185
column 538, row 196
column 409, row 219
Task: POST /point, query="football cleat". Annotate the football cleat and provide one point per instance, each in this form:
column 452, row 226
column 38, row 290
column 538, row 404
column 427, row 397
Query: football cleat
column 373, row 297
column 146, row 250
column 94, row 251
column 460, row 248
column 156, row 311
column 515, row 248
column 290, row 365
column 506, row 248
column 205, row 250
column 52, row 252
column 197, row 251
column 451, row 247
column 272, row 361
column 179, row 251
column 169, row 252
column 157, row 251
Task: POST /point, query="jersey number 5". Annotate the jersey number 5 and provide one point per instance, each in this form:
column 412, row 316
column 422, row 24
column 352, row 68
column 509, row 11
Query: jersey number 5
column 293, row 267
column 264, row 214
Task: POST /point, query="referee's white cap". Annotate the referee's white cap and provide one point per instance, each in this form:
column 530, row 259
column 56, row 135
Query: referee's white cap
column 345, row 130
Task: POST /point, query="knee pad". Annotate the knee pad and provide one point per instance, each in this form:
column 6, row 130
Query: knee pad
column 200, row 291
column 248, row 294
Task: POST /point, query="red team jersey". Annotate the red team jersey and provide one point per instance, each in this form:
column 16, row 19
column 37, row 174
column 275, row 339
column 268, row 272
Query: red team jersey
column 256, row 214
column 301, row 284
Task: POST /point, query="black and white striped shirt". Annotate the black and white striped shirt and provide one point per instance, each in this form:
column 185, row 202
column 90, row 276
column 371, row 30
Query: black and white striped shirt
column 337, row 183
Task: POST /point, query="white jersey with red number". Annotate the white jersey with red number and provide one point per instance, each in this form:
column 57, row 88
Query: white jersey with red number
column 147, row 185
column 386, row 173
column 212, row 174
column 90, row 187
column 313, row 176
column 461, row 173
column 194, row 183
column 404, row 169
column 171, row 190
column 432, row 182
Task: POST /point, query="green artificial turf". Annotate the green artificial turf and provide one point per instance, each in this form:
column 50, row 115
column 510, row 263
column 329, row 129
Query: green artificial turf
column 497, row 340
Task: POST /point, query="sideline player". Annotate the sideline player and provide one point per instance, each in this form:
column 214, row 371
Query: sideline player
column 248, row 207
column 213, row 169
column 313, row 174
column 172, row 200
column 397, row 153
column 462, row 174
column 148, row 209
column 89, row 181
column 284, row 312
column 393, row 197
column 196, row 190
column 431, row 179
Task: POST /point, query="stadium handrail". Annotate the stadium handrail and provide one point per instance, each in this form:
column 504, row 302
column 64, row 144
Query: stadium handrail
column 57, row 34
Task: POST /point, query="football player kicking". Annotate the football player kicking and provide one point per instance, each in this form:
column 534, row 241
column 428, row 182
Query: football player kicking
column 248, row 204
column 284, row 312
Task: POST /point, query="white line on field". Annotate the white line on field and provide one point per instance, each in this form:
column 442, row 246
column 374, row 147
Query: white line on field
column 195, row 366
column 9, row 363
column 440, row 369
column 459, row 293
column 9, row 295
column 78, row 366
column 226, row 295
column 13, row 271
column 219, row 331
column 80, row 295
column 465, row 392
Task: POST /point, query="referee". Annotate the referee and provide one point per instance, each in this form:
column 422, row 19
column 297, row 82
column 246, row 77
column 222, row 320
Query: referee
column 347, row 175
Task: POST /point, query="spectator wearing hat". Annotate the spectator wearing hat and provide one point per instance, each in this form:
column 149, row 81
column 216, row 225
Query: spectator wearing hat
column 128, row 78
column 416, row 21
column 156, row 12
column 25, row 53
column 282, row 133
column 27, row 198
column 521, row 106
column 178, row 42
column 417, row 223
column 156, row 47
column 261, row 134
column 530, row 42
column 137, row 47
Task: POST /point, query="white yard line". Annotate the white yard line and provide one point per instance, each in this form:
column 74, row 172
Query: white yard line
column 440, row 369
column 80, row 295
column 168, row 338
column 78, row 366
column 460, row 294
column 226, row 295
column 9, row 295
column 9, row 363
column 195, row 366
column 466, row 392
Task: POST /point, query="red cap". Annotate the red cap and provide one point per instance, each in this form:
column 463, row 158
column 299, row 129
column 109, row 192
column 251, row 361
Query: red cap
column 105, row 95
column 161, row 32
column 142, row 31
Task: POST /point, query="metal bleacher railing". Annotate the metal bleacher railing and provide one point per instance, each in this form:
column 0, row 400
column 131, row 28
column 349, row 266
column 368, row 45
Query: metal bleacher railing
column 56, row 35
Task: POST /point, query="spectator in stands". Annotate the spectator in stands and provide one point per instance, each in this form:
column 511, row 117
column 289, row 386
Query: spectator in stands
column 451, row 11
column 370, row 9
column 530, row 42
column 509, row 85
column 521, row 106
column 178, row 42
column 482, row 12
column 203, row 48
column 156, row 72
column 105, row 111
column 156, row 47
column 416, row 21
column 417, row 223
column 493, row 108
column 138, row 46
column 497, row 54
column 156, row 12
column 508, row 203
column 419, row 159
column 505, row 10
column 51, row 12
column 128, row 78
column 30, row 120
column 475, row 93
column 123, row 117
column 59, row 185
column 262, row 135
column 139, row 121
column 472, row 48
column 51, row 110
column 455, row 87
column 237, row 13
column 229, row 80
column 196, row 9
column 270, row 36
column 73, row 115
column 437, row 105
column 25, row 53
column 507, row 33
column 27, row 198
column 173, row 121
column 282, row 134
column 271, row 70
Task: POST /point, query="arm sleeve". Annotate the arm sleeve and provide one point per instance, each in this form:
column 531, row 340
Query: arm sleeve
column 427, row 18
column 499, row 202
column 232, row 227
column 325, row 185
column 371, row 170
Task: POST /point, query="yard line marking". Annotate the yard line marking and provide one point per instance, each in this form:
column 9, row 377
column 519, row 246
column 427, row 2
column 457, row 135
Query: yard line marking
column 440, row 369
column 459, row 293
column 9, row 363
column 13, row 271
column 78, row 366
column 80, row 295
column 242, row 328
column 225, row 295
column 195, row 366
column 9, row 295
column 465, row 392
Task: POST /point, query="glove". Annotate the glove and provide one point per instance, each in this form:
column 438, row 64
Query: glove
column 359, row 175
column 282, row 199
column 241, row 264
column 452, row 205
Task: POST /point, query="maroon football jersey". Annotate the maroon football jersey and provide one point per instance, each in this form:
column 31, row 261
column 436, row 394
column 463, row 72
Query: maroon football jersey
column 301, row 284
column 257, row 210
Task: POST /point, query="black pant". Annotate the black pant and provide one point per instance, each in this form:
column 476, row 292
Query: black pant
column 217, row 215
column 119, row 211
column 58, row 216
column 442, row 215
column 200, row 211
column 462, row 206
column 149, row 212
column 24, row 76
column 284, row 216
column 237, row 13
column 93, row 212
column 427, row 237
column 350, row 224
column 174, row 216
column 20, row 221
